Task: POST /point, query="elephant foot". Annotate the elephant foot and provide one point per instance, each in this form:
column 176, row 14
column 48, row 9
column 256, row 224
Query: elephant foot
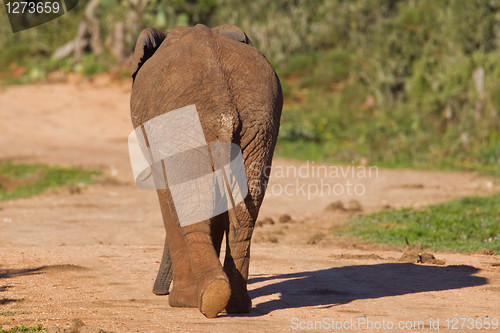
column 214, row 297
column 160, row 288
column 160, row 291
column 183, row 295
column 186, row 299
column 239, row 303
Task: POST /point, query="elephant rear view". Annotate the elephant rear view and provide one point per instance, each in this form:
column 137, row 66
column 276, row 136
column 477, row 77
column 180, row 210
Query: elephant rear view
column 211, row 87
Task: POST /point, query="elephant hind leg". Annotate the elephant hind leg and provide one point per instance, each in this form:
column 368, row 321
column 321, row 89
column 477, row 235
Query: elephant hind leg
column 217, row 293
column 175, row 261
column 165, row 273
column 218, row 226
column 242, row 221
column 212, row 284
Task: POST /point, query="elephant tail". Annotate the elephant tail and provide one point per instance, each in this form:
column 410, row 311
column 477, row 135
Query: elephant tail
column 165, row 273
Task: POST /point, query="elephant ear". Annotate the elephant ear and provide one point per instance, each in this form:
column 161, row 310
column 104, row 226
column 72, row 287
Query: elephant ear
column 233, row 32
column 147, row 43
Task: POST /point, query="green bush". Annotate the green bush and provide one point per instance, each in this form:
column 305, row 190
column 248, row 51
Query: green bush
column 387, row 81
column 407, row 96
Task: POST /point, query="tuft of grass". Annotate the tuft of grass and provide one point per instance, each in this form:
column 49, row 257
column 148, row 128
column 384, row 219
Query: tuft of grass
column 22, row 328
column 24, row 180
column 13, row 313
column 465, row 225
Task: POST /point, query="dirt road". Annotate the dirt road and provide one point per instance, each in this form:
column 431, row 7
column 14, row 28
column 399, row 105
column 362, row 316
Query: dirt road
column 93, row 254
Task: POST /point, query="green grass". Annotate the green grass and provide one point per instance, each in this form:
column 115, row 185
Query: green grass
column 308, row 150
column 24, row 180
column 464, row 225
column 22, row 328
column 13, row 313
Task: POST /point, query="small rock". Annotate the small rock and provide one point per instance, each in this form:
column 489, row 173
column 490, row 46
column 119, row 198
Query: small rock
column 335, row 206
column 268, row 220
column 315, row 238
column 425, row 257
column 413, row 254
column 263, row 222
column 354, row 206
column 285, row 218
column 76, row 188
column 273, row 239
column 485, row 252
column 428, row 258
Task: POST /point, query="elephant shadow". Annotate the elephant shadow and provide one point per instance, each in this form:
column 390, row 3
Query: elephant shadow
column 341, row 285
column 6, row 274
column 9, row 273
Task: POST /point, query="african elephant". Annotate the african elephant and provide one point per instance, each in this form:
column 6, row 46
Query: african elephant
column 238, row 98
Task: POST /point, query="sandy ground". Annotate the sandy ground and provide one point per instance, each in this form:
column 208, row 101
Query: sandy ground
column 93, row 253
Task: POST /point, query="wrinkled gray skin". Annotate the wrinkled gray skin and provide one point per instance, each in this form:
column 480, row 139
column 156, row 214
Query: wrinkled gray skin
column 238, row 97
